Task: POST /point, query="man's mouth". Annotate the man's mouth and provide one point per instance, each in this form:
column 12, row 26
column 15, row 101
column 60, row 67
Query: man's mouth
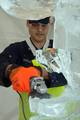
column 40, row 34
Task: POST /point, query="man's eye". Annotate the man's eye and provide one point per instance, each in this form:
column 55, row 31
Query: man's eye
column 44, row 25
column 38, row 24
column 34, row 24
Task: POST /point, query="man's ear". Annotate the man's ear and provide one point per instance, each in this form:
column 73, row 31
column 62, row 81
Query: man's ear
column 27, row 22
column 52, row 20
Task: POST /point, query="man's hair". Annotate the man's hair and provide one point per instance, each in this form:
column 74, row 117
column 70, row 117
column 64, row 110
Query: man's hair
column 43, row 21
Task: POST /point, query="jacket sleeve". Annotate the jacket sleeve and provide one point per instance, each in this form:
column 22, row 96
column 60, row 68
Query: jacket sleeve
column 7, row 57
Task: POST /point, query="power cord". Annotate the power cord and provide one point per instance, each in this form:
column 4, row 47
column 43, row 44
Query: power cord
column 23, row 111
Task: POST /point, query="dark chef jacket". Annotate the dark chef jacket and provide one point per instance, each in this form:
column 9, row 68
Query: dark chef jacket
column 18, row 53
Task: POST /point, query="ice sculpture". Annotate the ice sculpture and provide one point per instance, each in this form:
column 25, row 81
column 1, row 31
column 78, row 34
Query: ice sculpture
column 67, row 36
column 67, row 30
column 68, row 13
column 29, row 9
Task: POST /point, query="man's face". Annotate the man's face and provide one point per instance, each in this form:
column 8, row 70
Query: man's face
column 38, row 31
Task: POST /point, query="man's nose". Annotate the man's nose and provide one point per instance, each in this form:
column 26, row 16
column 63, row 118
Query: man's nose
column 40, row 27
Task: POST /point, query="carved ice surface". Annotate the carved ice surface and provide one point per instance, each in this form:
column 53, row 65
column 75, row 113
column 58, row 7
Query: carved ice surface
column 29, row 9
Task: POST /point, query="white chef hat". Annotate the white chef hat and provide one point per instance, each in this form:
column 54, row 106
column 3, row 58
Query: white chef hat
column 29, row 9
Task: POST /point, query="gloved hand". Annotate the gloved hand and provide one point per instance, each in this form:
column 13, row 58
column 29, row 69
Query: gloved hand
column 20, row 78
column 57, row 79
column 42, row 67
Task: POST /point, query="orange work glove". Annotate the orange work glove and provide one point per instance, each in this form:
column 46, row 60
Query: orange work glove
column 20, row 78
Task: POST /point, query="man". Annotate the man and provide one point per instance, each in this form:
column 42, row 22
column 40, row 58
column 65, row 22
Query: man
column 16, row 66
column 22, row 53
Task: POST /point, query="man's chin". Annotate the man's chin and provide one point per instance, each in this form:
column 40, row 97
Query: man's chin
column 41, row 38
